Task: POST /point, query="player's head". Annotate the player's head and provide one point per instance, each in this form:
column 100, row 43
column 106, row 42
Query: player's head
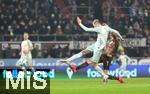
column 25, row 35
column 121, row 49
column 122, row 52
column 111, row 37
column 96, row 23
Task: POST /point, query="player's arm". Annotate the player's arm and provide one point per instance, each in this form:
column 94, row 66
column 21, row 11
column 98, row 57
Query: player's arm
column 84, row 27
column 116, row 32
column 30, row 45
column 128, row 58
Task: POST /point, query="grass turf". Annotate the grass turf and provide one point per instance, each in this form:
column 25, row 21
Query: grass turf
column 96, row 86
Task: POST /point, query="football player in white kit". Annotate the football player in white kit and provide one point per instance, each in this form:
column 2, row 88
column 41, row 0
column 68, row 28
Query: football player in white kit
column 98, row 46
column 123, row 60
column 26, row 56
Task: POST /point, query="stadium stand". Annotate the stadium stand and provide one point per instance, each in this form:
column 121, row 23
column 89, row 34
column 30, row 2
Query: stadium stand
column 54, row 20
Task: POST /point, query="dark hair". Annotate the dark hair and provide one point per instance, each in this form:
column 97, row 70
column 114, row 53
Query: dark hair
column 116, row 42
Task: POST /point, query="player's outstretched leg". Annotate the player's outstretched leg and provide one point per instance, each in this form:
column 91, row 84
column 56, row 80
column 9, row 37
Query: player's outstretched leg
column 105, row 76
column 73, row 68
column 116, row 78
column 78, row 55
column 83, row 65
column 76, row 68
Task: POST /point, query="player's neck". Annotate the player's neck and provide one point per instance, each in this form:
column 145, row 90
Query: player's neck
column 25, row 39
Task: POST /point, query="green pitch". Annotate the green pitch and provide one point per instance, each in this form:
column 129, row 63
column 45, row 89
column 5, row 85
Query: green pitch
column 96, row 86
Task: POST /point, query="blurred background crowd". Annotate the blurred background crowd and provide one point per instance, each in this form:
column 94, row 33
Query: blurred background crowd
column 54, row 20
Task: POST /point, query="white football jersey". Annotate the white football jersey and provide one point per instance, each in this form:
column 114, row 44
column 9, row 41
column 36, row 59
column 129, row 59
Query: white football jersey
column 25, row 46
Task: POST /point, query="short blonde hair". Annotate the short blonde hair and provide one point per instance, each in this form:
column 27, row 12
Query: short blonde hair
column 95, row 20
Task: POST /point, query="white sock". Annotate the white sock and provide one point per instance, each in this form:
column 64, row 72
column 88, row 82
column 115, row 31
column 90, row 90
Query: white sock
column 75, row 57
column 101, row 72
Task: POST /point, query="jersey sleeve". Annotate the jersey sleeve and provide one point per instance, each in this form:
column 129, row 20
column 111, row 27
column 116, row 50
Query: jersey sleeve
column 115, row 31
column 88, row 29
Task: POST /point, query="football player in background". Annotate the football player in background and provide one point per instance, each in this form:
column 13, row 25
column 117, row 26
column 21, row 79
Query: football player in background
column 26, row 56
column 122, row 61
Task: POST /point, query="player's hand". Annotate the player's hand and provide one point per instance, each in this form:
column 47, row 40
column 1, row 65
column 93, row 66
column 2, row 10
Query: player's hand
column 31, row 48
column 25, row 52
column 122, row 39
column 79, row 20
